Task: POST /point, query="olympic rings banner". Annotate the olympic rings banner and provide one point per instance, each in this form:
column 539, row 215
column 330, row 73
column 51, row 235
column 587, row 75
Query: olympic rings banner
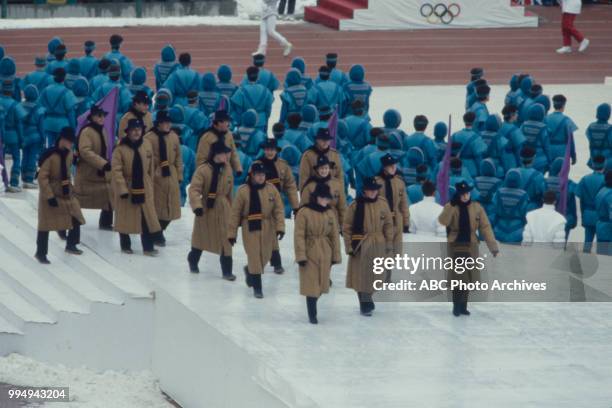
column 438, row 14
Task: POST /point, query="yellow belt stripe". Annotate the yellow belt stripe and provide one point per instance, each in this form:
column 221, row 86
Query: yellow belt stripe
column 138, row 190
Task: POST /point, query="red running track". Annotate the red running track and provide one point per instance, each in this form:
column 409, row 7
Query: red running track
column 421, row 57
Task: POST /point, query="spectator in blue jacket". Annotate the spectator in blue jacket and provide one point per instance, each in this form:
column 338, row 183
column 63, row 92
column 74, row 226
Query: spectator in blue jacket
column 536, row 136
column 88, row 63
column 335, row 74
column 599, row 134
column 101, row 77
column 440, row 133
column 326, row 92
column 183, row 80
column 253, row 96
column 211, row 98
column 194, row 117
column 480, row 107
column 419, row 139
column 586, row 191
column 265, row 77
column 513, row 134
column 81, row 92
column 59, row 103
column 73, row 73
column 512, row 95
column 293, row 98
column 292, row 130
column 357, row 89
column 60, row 59
column 472, row 98
column 560, row 127
column 125, row 63
column 12, row 134
column 138, row 82
column 473, row 148
column 470, row 89
column 524, row 97
column 165, row 66
column 32, row 114
column 310, row 116
column 497, row 145
column 299, row 64
column 510, row 203
column 224, row 82
column 358, row 125
column 249, row 135
column 487, row 184
column 51, row 46
column 39, row 77
column 125, row 96
column 603, row 204
column 532, row 181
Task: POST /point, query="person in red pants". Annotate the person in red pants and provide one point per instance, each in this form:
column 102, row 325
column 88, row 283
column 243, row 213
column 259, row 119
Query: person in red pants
column 570, row 9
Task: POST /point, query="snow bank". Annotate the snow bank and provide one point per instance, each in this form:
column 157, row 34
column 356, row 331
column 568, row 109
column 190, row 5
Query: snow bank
column 88, row 389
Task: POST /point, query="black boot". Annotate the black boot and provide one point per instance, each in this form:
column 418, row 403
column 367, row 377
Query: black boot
column 364, row 305
column 311, row 306
column 73, row 238
column 456, row 303
column 277, row 263
column 106, row 220
column 160, row 239
column 226, row 268
column 248, row 277
column 464, row 310
column 126, row 244
column 257, row 292
column 194, row 258
column 42, row 247
column 62, row 235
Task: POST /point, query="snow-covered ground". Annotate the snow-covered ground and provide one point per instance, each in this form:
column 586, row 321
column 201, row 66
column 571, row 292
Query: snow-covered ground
column 88, row 389
column 247, row 9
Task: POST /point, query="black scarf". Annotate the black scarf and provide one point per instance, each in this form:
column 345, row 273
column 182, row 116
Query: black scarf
column 388, row 188
column 63, row 167
column 255, row 215
column 212, row 191
column 271, row 171
column 138, row 190
column 321, row 153
column 316, row 179
column 316, row 207
column 163, row 152
column 358, row 221
column 465, row 230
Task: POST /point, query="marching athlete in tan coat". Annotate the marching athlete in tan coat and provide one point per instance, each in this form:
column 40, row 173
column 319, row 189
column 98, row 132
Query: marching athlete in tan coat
column 279, row 174
column 139, row 110
column 218, row 131
column 394, row 190
column 167, row 173
column 92, row 180
column 463, row 218
column 312, row 154
column 258, row 209
column 322, row 176
column 210, row 197
column 132, row 184
column 58, row 208
column 317, row 247
column 368, row 234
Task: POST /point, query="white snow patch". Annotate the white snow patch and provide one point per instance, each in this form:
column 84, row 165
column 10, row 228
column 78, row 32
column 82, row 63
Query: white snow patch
column 87, row 388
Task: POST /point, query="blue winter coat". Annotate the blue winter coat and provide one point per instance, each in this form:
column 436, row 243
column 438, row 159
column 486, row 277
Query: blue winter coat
column 59, row 103
column 180, row 82
column 587, row 189
column 256, row 97
column 472, row 149
column 560, row 127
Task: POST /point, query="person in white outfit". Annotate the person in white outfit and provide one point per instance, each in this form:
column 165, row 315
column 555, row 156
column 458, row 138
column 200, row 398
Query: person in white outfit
column 268, row 28
column 570, row 9
column 424, row 214
column 545, row 225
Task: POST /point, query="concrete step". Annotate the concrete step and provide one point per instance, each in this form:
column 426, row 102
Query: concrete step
column 17, row 309
column 7, row 328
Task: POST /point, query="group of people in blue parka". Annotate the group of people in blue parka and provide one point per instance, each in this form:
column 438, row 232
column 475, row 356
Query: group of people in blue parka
column 509, row 161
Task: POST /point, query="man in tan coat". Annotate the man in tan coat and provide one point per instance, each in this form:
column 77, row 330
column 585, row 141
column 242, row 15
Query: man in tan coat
column 139, row 110
column 322, row 176
column 210, row 197
column 92, row 180
column 132, row 183
column 320, row 148
column 279, row 174
column 393, row 189
column 463, row 218
column 258, row 209
column 317, row 247
column 58, row 208
column 167, row 172
column 368, row 234
column 218, row 131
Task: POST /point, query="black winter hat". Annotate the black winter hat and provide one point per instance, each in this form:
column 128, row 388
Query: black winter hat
column 219, row 147
column 141, row 97
column 185, row 59
column 67, row 133
column 463, row 187
column 136, row 124
column 270, row 144
column 369, row 183
column 322, row 190
column 96, row 110
column 221, row 116
column 322, row 161
column 388, row 160
column 258, row 167
column 323, row 133
column 162, row 117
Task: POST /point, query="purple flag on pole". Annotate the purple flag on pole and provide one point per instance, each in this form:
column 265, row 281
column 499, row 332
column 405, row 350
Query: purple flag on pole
column 564, row 176
column 442, row 180
column 333, row 128
column 109, row 104
column 223, row 104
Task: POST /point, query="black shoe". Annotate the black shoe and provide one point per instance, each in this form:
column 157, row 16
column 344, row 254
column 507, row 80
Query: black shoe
column 364, row 309
column 160, row 243
column 127, row 251
column 106, row 227
column 226, row 268
column 247, row 277
column 258, row 295
column 193, row 265
column 464, row 310
column 456, row 310
column 279, row 270
column 42, row 259
column 330, row 283
column 73, row 250
column 256, row 282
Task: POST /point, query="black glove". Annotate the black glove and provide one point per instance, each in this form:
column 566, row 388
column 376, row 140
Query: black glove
column 124, row 195
column 232, row 241
column 198, row 212
column 239, row 173
column 53, row 202
column 335, row 263
column 406, row 229
column 107, row 167
column 280, row 235
column 302, row 263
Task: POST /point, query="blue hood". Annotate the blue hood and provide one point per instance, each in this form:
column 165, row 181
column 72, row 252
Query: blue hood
column 543, row 100
column 1, row 52
column 392, row 119
column 7, row 66
column 299, row 64
column 31, row 93
column 224, row 73
column 310, row 113
column 177, row 114
column 493, row 123
column 80, row 88
column 514, row 85
column 291, row 155
column 513, row 179
column 536, row 112
column 555, row 167
column 249, row 118
column 168, row 54
column 209, row 82
column 357, row 73
column 440, row 130
column 415, row 156
column 603, row 112
column 294, row 77
column 53, row 43
column 526, row 85
column 138, row 76
column 74, row 67
column 487, row 168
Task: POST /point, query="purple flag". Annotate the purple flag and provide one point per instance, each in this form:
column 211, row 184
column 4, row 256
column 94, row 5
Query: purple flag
column 223, row 104
column 109, row 104
column 442, row 180
column 332, row 125
column 564, row 176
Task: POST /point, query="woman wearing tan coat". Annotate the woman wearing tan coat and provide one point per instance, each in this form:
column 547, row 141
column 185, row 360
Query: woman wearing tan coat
column 167, row 173
column 393, row 189
column 368, row 234
column 139, row 110
column 317, row 247
column 322, row 175
column 210, row 197
column 132, row 184
column 321, row 148
column 92, row 180
column 463, row 218
column 258, row 209
column 58, row 208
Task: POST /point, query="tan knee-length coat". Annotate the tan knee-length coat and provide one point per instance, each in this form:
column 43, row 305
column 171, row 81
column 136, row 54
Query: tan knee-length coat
column 401, row 214
column 309, row 160
column 208, row 139
column 166, row 189
column 50, row 186
column 377, row 242
column 338, row 202
column 128, row 215
column 147, row 120
column 210, row 230
column 257, row 244
column 91, row 185
column 316, row 241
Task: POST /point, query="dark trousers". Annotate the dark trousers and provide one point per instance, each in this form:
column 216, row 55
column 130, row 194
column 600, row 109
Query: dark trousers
column 283, row 3
column 160, row 237
column 72, row 239
column 460, row 299
column 106, row 218
column 146, row 237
